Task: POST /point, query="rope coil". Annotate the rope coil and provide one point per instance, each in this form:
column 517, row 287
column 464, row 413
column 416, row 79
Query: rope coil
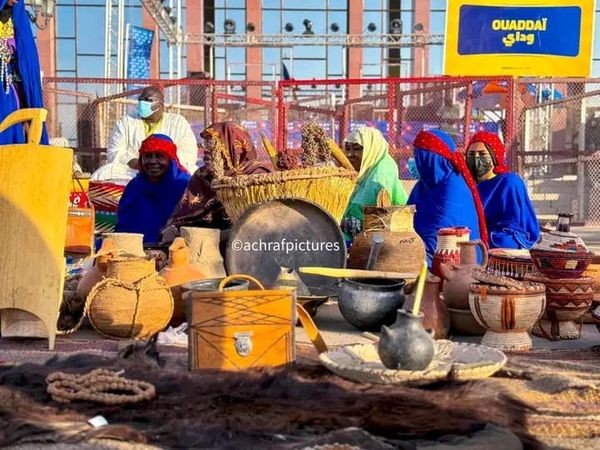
column 99, row 386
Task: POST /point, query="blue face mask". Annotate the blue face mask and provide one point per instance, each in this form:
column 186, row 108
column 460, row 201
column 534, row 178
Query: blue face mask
column 144, row 109
column 412, row 168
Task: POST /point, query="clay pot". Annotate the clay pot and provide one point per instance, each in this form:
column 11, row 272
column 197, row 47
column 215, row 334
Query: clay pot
column 507, row 313
column 462, row 322
column 447, row 250
column 98, row 271
column 204, row 250
column 433, row 308
column 567, row 300
column 368, row 304
column 130, row 243
column 458, row 278
column 178, row 271
column 406, row 345
column 402, row 248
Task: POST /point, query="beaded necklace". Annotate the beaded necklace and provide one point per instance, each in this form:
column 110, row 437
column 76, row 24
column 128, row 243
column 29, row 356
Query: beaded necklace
column 7, row 32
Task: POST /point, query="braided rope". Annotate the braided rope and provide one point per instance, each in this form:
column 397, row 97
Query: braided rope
column 99, row 386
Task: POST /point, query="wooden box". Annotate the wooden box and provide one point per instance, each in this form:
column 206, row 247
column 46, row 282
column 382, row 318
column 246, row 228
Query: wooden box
column 236, row 330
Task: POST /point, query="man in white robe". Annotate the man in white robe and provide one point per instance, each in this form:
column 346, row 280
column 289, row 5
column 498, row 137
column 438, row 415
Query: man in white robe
column 130, row 130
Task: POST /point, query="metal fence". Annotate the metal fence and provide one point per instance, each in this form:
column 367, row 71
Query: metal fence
column 558, row 145
column 550, row 126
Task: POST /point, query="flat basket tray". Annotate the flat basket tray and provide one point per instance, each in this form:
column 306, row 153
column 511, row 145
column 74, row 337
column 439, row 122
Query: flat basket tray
column 452, row 361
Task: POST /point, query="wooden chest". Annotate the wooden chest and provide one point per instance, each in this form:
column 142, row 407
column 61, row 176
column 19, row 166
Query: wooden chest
column 235, row 330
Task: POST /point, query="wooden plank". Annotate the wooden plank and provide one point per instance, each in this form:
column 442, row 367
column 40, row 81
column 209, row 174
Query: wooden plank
column 34, row 194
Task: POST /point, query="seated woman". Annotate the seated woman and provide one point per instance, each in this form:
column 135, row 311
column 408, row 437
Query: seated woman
column 229, row 151
column 509, row 213
column 368, row 152
column 149, row 199
column 445, row 195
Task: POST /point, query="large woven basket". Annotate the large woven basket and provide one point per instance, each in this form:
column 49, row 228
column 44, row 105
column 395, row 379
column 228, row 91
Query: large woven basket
column 132, row 302
column 329, row 187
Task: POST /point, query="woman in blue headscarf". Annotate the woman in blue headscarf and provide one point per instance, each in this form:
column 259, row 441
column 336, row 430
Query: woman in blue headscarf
column 20, row 80
column 445, row 195
column 150, row 198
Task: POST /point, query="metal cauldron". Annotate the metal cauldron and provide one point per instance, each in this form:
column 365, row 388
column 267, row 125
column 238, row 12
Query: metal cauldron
column 369, row 303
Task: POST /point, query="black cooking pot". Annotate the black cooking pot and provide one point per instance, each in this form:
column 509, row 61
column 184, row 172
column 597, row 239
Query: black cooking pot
column 369, row 303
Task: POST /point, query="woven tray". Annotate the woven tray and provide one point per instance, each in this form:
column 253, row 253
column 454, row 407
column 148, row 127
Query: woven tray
column 453, row 361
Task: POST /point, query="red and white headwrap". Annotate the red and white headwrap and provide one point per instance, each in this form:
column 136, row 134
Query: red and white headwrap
column 160, row 143
column 494, row 145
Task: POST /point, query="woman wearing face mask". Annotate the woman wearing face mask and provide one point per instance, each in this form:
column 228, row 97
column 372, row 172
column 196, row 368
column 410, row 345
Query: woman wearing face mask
column 445, row 195
column 20, row 81
column 149, row 199
column 149, row 118
column 509, row 213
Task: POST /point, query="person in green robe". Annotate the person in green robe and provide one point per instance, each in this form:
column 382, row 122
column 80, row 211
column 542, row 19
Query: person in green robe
column 368, row 152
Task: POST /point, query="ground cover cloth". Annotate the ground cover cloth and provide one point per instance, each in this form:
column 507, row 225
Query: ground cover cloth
column 543, row 396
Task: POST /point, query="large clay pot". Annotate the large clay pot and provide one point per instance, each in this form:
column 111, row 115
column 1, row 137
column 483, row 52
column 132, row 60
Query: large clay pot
column 204, row 250
column 406, row 345
column 98, row 271
column 435, row 312
column 402, row 249
column 447, row 250
column 370, row 303
column 178, row 271
column 458, row 278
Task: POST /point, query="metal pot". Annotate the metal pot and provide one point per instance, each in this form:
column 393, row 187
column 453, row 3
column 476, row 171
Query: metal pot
column 369, row 303
column 212, row 284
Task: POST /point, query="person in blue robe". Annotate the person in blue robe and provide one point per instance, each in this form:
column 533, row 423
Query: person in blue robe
column 20, row 78
column 150, row 198
column 445, row 195
column 509, row 213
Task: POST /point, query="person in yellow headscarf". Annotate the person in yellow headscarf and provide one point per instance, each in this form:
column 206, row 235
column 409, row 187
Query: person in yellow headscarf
column 368, row 152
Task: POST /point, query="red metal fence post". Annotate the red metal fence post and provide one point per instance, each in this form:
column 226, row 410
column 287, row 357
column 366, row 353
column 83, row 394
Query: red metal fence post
column 391, row 88
column 510, row 128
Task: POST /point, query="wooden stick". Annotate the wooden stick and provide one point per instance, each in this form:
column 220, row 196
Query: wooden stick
column 356, row 273
column 420, row 289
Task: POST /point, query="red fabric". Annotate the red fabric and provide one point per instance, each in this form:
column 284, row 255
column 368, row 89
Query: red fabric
column 154, row 144
column 430, row 142
column 494, row 146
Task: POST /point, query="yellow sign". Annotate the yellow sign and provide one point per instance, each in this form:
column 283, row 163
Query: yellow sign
column 519, row 37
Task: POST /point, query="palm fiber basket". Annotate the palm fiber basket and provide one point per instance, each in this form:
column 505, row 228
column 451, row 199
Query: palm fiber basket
column 328, row 187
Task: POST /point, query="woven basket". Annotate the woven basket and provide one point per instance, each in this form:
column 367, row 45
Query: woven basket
column 132, row 302
column 329, row 187
column 456, row 361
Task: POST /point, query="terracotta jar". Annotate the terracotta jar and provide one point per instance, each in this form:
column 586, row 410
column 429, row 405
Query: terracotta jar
column 447, row 250
column 432, row 307
column 177, row 272
column 458, row 277
column 98, row 271
column 204, row 250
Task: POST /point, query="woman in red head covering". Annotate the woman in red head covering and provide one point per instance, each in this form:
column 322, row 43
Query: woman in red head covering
column 509, row 213
column 229, row 151
column 149, row 199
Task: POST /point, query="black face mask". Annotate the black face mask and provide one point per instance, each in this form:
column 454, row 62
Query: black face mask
column 479, row 165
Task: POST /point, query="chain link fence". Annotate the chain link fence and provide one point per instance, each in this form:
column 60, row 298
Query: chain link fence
column 558, row 145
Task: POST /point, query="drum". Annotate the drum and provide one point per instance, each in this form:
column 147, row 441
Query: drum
column 511, row 263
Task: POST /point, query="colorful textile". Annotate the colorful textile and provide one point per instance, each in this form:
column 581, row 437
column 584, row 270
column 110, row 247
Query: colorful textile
column 145, row 206
column 445, row 195
column 199, row 205
column 378, row 171
column 25, row 90
column 509, row 213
